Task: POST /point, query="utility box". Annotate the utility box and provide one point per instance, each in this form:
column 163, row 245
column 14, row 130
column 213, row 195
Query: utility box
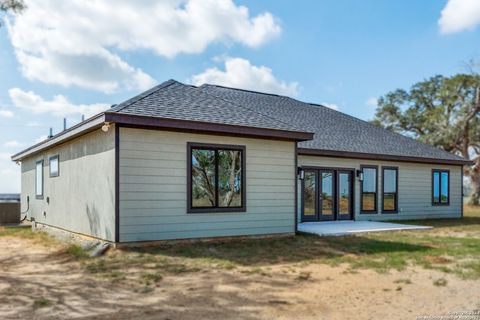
column 9, row 208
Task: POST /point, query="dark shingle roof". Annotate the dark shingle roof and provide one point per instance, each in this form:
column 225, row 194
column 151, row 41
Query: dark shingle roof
column 334, row 131
column 174, row 100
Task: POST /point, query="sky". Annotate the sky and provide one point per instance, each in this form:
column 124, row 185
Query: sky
column 64, row 59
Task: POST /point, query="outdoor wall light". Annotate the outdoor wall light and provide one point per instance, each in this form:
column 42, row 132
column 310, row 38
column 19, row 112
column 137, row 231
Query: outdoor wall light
column 106, row 126
column 301, row 173
column 359, row 174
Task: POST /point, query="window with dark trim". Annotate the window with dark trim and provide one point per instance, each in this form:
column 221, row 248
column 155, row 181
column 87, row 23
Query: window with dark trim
column 369, row 189
column 389, row 189
column 216, row 178
column 440, row 187
column 54, row 164
column 39, row 179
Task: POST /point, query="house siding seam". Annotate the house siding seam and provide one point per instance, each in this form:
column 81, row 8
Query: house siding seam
column 414, row 188
column 153, row 188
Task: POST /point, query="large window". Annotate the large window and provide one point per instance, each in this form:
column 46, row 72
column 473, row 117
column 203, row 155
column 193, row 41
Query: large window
column 39, row 179
column 368, row 200
column 390, row 189
column 216, row 178
column 54, row 166
column 440, row 187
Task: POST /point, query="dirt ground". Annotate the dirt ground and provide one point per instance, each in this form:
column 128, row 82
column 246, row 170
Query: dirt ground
column 36, row 282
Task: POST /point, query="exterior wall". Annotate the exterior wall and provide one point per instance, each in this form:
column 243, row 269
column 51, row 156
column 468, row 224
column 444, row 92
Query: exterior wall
column 153, row 188
column 414, row 188
column 82, row 198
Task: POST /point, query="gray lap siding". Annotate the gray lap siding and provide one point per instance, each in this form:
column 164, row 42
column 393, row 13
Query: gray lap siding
column 153, row 188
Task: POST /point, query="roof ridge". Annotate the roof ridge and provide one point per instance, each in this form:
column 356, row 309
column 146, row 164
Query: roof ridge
column 245, row 90
column 142, row 95
column 252, row 110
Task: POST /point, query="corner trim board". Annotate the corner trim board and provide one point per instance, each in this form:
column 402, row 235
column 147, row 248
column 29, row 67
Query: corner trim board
column 117, row 183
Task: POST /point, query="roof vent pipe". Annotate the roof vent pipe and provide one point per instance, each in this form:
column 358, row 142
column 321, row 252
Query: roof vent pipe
column 50, row 133
column 64, row 124
column 83, row 117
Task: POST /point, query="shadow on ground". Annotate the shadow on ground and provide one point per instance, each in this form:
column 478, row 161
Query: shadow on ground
column 300, row 248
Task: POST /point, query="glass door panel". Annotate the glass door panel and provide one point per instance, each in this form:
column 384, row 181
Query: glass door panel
column 327, row 196
column 344, row 195
column 309, row 212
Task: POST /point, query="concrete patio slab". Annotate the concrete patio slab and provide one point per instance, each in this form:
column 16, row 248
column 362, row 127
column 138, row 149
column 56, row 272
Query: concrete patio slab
column 342, row 228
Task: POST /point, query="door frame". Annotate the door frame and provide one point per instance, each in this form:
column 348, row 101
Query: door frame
column 336, row 170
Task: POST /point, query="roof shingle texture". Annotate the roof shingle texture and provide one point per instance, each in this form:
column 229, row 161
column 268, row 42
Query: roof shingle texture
column 174, row 100
column 334, row 131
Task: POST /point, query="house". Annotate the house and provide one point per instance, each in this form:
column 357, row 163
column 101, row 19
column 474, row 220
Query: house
column 180, row 161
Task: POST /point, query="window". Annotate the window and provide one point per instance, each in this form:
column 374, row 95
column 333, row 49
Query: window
column 390, row 189
column 216, row 178
column 368, row 200
column 440, row 187
column 39, row 179
column 54, row 166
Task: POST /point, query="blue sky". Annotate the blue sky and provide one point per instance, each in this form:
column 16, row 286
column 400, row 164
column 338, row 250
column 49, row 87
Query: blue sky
column 64, row 59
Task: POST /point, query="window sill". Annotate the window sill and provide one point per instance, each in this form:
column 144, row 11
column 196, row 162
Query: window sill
column 368, row 212
column 216, row 210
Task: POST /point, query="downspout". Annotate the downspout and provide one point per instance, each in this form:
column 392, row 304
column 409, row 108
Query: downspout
column 296, row 187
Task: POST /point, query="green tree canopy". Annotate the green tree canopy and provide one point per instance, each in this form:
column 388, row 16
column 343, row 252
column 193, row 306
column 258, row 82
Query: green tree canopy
column 12, row 6
column 441, row 111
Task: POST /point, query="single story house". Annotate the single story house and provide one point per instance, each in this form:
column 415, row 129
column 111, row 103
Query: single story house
column 180, row 161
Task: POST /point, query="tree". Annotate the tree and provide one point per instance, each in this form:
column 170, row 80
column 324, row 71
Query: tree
column 12, row 6
column 441, row 111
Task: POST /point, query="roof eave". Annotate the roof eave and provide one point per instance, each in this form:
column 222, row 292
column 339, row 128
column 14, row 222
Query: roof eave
column 204, row 127
column 372, row 156
column 68, row 134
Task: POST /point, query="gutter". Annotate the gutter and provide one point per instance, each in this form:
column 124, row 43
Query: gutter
column 372, row 156
column 77, row 130
column 146, row 122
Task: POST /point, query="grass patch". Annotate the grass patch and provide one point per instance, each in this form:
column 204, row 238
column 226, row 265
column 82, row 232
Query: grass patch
column 449, row 252
column 149, row 278
column 27, row 233
column 76, row 252
column 440, row 282
column 403, row 281
column 42, row 303
column 453, row 246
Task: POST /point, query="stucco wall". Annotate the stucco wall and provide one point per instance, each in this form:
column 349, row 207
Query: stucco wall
column 414, row 188
column 82, row 197
column 153, row 188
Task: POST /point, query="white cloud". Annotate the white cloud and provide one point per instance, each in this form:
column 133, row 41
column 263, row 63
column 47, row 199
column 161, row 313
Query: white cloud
column 13, row 144
column 33, row 124
column 59, row 106
column 372, row 102
column 330, row 105
column 240, row 73
column 6, row 114
column 459, row 15
column 78, row 41
column 40, row 139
